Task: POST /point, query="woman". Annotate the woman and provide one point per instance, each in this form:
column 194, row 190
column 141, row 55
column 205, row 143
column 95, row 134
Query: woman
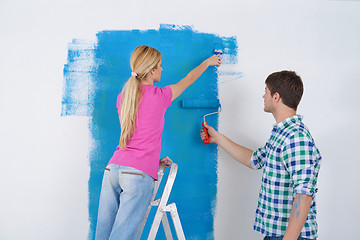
column 128, row 181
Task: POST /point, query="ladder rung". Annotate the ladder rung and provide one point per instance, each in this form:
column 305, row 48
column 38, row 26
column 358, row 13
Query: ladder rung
column 169, row 208
column 155, row 202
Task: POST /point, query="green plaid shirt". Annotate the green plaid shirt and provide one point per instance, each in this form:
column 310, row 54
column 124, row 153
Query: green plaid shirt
column 291, row 163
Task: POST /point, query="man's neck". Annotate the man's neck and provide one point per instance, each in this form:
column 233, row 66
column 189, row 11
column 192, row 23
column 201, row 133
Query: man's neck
column 283, row 114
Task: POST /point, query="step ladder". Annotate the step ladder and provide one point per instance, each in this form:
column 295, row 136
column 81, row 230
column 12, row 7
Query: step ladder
column 163, row 207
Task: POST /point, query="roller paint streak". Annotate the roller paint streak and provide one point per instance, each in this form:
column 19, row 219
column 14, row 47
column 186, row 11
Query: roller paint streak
column 94, row 75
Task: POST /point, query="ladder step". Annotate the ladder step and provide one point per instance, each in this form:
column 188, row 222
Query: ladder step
column 155, row 202
column 169, row 208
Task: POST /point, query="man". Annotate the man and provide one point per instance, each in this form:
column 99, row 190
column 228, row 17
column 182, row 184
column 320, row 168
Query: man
column 290, row 161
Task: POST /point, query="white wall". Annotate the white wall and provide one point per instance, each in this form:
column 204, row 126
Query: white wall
column 44, row 166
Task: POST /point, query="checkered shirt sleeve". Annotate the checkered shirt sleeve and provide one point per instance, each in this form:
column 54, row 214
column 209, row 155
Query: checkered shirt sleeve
column 301, row 160
column 258, row 158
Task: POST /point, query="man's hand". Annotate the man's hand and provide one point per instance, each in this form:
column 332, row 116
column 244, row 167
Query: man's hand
column 213, row 134
column 238, row 152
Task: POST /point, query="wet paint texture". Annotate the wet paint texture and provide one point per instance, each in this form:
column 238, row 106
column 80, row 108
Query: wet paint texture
column 91, row 90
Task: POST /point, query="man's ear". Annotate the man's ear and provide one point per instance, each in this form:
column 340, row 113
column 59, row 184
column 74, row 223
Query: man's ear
column 276, row 97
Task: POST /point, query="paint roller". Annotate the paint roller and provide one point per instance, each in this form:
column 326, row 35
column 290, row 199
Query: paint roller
column 203, row 103
column 218, row 51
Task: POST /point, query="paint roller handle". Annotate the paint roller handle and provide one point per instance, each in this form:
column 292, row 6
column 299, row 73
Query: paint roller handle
column 206, row 139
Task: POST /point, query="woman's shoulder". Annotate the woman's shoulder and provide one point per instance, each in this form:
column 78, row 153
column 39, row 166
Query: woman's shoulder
column 163, row 94
column 156, row 89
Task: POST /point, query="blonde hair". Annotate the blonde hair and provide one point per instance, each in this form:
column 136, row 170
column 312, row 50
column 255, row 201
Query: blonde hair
column 143, row 60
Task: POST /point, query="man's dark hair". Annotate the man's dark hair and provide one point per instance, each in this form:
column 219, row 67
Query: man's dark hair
column 289, row 86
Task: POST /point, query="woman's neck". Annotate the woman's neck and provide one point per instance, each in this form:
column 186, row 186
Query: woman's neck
column 146, row 82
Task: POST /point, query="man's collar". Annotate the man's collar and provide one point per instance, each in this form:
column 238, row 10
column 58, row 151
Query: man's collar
column 287, row 122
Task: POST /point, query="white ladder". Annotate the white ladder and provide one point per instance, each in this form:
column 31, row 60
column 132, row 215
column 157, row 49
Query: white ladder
column 163, row 207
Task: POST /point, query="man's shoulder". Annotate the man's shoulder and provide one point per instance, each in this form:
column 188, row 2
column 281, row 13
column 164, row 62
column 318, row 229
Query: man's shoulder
column 298, row 130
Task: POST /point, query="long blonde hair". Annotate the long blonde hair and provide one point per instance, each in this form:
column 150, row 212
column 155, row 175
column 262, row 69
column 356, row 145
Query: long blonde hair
column 143, row 60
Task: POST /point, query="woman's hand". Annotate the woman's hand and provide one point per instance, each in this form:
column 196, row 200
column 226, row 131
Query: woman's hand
column 178, row 88
column 214, row 60
column 166, row 161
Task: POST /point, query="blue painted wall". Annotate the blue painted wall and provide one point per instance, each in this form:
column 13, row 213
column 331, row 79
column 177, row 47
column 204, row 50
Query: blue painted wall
column 183, row 49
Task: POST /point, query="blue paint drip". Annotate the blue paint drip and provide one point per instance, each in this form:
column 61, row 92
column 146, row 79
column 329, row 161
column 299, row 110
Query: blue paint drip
column 194, row 190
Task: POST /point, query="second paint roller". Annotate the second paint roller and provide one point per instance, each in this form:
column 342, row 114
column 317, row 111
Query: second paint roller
column 203, row 103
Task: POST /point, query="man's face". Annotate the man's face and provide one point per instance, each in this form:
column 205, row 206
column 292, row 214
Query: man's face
column 268, row 101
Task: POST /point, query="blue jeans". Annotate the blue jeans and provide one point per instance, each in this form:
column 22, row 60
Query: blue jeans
column 280, row 238
column 125, row 195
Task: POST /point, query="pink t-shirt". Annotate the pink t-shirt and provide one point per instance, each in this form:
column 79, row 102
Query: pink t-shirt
column 143, row 149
